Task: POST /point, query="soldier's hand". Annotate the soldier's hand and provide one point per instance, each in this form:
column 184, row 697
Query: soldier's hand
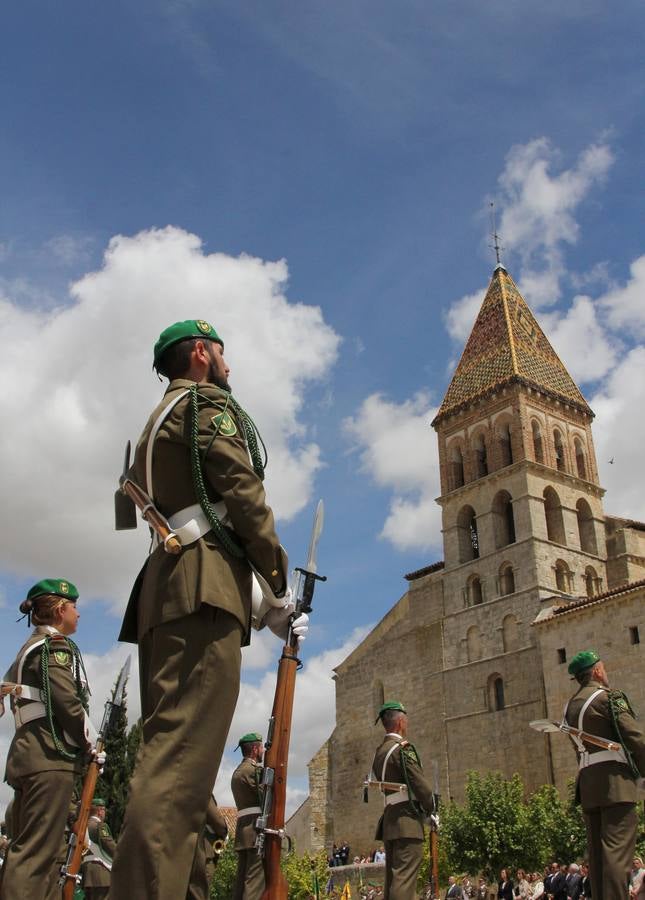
column 99, row 757
column 278, row 621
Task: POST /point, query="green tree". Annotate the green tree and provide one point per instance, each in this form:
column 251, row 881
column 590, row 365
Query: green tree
column 112, row 785
column 224, row 878
column 498, row 827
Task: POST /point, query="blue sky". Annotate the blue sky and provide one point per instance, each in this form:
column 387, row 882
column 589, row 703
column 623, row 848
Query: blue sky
column 359, row 144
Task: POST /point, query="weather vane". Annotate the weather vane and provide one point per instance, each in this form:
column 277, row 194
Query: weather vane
column 496, row 246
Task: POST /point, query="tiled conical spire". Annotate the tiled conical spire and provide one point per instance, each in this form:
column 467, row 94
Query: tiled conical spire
column 507, row 345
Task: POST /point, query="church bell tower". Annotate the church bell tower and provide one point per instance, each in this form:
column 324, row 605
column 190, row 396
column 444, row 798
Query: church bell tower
column 522, row 522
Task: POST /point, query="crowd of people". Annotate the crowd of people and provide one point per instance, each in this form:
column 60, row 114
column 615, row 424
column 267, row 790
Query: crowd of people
column 558, row 881
column 340, row 856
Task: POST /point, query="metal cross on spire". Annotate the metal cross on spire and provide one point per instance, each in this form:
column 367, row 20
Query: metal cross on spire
column 496, row 245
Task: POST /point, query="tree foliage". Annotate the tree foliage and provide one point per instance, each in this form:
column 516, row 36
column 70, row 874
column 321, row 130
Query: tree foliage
column 112, row 785
column 298, row 870
column 498, row 827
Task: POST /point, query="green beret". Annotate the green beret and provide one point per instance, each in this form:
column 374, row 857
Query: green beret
column 184, row 331
column 98, row 801
column 583, row 660
column 391, row 704
column 57, row 586
column 251, row 738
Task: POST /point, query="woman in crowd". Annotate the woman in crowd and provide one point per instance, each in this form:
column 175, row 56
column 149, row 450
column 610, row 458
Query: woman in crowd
column 505, row 886
column 522, row 887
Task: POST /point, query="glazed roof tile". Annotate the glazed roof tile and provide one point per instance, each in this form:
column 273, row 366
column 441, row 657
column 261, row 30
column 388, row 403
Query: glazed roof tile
column 507, row 345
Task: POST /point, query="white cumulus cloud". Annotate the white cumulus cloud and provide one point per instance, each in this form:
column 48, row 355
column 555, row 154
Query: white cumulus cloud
column 398, row 450
column 82, row 385
column 625, row 305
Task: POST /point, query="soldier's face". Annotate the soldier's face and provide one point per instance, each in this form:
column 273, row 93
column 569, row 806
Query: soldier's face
column 68, row 618
column 219, row 371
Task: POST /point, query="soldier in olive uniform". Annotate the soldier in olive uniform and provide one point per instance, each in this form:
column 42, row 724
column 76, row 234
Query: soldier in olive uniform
column 97, row 862
column 401, row 825
column 198, row 460
column 606, row 778
column 247, row 793
column 209, row 846
column 52, row 740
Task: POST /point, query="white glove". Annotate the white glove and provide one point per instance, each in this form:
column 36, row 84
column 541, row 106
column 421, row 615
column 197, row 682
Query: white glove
column 278, row 622
column 99, row 758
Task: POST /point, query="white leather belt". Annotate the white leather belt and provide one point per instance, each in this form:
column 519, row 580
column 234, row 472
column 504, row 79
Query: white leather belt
column 29, row 712
column 249, row 811
column 400, row 797
column 602, row 756
column 190, row 524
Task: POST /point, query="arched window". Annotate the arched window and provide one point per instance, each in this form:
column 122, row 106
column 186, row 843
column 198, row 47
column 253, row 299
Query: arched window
column 495, row 692
column 475, row 593
column 503, row 521
column 581, row 466
column 586, row 528
column 558, row 448
column 591, row 581
column 538, row 452
column 553, row 514
column 456, row 467
column 506, row 579
column 510, row 635
column 505, row 445
column 562, row 576
column 473, row 643
column 378, row 696
column 481, row 456
column 467, row 533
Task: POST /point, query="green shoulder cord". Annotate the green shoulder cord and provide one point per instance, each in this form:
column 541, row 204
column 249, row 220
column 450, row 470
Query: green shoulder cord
column 618, row 703
column 77, row 666
column 253, row 439
column 416, row 806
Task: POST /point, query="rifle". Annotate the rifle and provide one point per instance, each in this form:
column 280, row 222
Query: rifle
column 69, row 871
column 270, row 824
column 129, row 493
column 546, row 726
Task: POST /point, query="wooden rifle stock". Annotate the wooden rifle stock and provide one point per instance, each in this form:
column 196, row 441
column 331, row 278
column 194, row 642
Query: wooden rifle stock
column 276, row 759
column 77, row 839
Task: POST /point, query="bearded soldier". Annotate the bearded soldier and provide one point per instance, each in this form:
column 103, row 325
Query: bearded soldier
column 401, row 825
column 53, row 738
column 606, row 785
column 97, row 862
column 247, row 794
column 199, row 462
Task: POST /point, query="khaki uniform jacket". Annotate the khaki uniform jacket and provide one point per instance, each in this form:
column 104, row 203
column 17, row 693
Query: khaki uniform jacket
column 94, row 873
column 245, row 785
column 216, row 828
column 203, row 572
column 606, row 783
column 399, row 820
column 32, row 749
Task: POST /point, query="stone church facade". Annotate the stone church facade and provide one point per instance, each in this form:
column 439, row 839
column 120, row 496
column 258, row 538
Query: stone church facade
column 533, row 570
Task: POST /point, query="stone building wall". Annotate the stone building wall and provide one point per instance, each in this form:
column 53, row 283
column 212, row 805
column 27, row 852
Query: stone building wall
column 606, row 626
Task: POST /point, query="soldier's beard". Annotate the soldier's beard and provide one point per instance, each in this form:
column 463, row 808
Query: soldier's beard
column 218, row 380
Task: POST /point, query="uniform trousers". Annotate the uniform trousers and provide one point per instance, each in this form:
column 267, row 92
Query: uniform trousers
column 190, row 678
column 199, row 885
column 611, row 841
column 402, row 861
column 96, row 893
column 40, row 810
column 249, row 882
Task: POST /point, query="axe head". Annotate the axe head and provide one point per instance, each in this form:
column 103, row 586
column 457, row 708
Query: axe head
column 544, row 725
